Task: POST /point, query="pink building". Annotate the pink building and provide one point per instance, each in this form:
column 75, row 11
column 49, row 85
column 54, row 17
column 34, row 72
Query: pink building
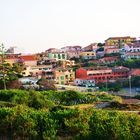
column 72, row 51
column 52, row 50
column 112, row 50
column 91, row 47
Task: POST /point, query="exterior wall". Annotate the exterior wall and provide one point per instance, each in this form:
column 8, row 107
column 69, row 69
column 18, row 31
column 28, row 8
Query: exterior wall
column 36, row 70
column 72, row 54
column 108, row 60
column 57, row 56
column 49, row 75
column 131, row 48
column 71, row 48
column 52, row 50
column 101, row 75
column 91, row 47
column 11, row 61
column 85, row 83
column 131, row 55
column 30, row 63
column 72, row 51
column 28, row 80
column 112, row 50
column 88, row 55
column 68, row 63
column 64, row 76
column 117, row 41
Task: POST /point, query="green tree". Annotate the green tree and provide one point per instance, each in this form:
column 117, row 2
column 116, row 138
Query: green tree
column 9, row 77
column 46, row 84
column 2, row 69
column 9, row 74
column 18, row 67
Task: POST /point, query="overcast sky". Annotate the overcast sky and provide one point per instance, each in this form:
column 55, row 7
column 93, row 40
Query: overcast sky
column 36, row 25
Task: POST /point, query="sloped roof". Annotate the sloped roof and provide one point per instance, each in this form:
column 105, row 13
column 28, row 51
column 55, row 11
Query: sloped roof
column 135, row 72
column 28, row 57
column 120, row 69
column 124, row 37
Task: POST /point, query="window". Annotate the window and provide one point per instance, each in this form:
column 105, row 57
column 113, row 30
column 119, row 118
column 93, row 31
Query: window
column 59, row 57
column 62, row 77
column 63, row 56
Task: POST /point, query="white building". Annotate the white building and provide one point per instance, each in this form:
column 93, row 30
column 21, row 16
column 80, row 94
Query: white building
column 135, row 47
column 84, row 82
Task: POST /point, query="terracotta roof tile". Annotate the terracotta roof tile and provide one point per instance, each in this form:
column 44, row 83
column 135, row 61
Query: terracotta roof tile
column 135, row 72
column 28, row 57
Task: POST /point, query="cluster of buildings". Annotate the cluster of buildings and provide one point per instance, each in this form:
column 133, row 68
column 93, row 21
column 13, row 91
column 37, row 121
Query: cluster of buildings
column 59, row 64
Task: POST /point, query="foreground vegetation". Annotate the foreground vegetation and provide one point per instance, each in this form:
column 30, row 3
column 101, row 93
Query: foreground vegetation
column 47, row 115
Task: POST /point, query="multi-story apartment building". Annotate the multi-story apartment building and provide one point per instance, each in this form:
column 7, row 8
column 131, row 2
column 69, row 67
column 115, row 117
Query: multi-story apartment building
column 88, row 55
column 103, row 74
column 112, row 50
column 64, row 76
column 29, row 60
column 131, row 55
column 91, row 47
column 49, row 75
column 119, row 41
column 72, row 51
column 36, row 71
column 108, row 60
column 68, row 63
column 58, row 56
column 133, row 47
column 52, row 50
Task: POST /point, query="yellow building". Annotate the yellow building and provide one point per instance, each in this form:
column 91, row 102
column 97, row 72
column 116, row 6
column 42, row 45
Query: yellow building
column 11, row 61
column 64, row 76
column 68, row 63
column 88, row 55
column 119, row 41
column 36, row 71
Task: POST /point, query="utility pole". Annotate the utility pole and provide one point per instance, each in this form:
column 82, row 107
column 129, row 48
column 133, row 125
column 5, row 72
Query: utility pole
column 2, row 50
column 106, row 84
column 130, row 88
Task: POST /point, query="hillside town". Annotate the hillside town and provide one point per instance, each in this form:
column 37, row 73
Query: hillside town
column 106, row 66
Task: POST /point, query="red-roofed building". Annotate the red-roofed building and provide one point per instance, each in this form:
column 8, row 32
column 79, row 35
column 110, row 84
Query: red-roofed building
column 135, row 72
column 94, row 61
column 102, row 74
column 109, row 60
column 29, row 60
